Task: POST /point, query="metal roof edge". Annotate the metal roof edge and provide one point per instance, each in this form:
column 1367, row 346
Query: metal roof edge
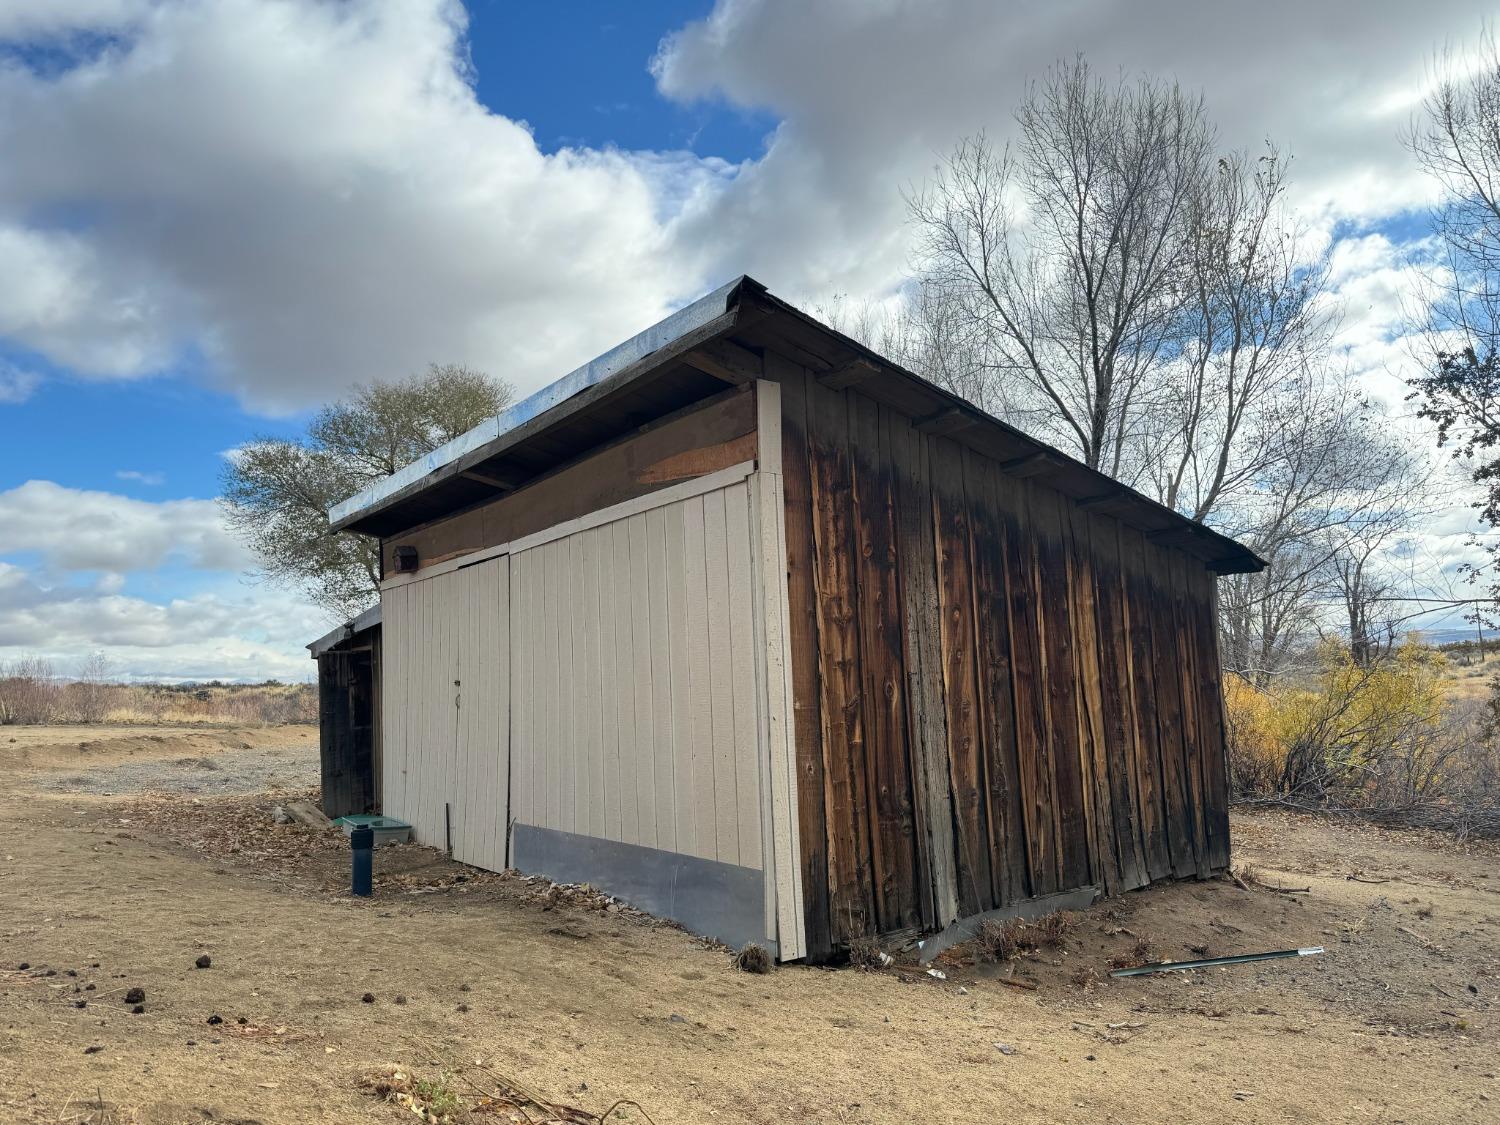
column 659, row 335
column 366, row 620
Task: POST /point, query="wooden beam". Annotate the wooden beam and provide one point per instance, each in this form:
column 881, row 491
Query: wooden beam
column 507, row 484
column 1095, row 503
column 1027, row 466
column 726, row 360
column 1178, row 533
column 857, row 370
column 947, row 421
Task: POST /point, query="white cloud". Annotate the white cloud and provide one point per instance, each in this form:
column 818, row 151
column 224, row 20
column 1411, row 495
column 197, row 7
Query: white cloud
column 80, row 530
column 16, row 384
column 229, row 632
column 93, row 548
column 871, row 94
column 308, row 194
column 140, row 477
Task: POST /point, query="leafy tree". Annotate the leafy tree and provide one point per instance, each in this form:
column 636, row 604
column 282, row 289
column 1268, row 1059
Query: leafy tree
column 277, row 492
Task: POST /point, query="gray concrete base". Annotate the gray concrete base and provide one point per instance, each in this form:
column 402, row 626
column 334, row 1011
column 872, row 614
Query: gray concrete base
column 965, row 928
column 722, row 901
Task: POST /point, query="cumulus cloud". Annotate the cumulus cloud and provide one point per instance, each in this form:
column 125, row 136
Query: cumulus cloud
column 79, row 530
column 230, row 632
column 76, row 596
column 309, row 194
column 871, row 94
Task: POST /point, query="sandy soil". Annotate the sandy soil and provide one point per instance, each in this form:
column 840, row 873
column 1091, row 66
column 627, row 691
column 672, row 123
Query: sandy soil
column 493, row 978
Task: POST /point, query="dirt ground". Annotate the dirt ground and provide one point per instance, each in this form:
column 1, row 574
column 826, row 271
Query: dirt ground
column 112, row 885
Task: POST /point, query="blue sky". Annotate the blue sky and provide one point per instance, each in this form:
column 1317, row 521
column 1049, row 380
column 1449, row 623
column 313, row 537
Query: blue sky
column 216, row 217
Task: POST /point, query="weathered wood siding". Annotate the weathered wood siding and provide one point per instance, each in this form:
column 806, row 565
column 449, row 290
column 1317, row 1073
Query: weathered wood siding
column 996, row 694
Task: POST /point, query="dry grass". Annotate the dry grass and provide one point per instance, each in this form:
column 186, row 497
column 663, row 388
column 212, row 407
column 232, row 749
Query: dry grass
column 1143, row 952
column 32, row 694
column 1007, row 940
column 866, row 956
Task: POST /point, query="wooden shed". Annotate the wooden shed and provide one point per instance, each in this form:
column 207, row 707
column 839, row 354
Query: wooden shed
column 762, row 632
column 348, row 715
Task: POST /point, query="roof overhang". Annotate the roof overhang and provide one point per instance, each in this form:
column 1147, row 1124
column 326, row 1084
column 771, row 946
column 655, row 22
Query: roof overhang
column 345, row 632
column 702, row 341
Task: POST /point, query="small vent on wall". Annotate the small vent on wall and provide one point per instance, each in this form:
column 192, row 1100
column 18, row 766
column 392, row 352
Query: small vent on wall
column 406, row 560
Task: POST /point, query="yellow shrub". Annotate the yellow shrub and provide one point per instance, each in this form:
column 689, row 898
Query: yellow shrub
column 1340, row 731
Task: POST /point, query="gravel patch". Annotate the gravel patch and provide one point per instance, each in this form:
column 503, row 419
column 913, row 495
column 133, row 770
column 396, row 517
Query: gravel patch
column 246, row 771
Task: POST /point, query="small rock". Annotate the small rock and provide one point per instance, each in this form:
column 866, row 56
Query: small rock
column 1088, row 1058
column 23, row 964
column 279, row 815
column 242, row 1021
column 463, row 988
column 94, row 1050
column 80, row 1003
column 1005, row 1048
column 400, row 1000
column 962, row 991
column 463, row 1007
column 89, row 987
column 938, row 973
column 135, row 995
column 368, row 998
column 215, row 1019
column 203, row 962
column 675, row 1018
column 138, row 1009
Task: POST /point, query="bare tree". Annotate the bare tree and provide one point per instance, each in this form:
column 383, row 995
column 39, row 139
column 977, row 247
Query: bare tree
column 1068, row 250
column 1251, row 332
column 1456, row 141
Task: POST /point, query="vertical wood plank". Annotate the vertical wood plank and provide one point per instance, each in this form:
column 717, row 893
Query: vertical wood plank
column 1211, row 691
column 1169, row 713
column 927, row 722
column 1094, row 752
column 840, row 710
column 803, row 649
column 951, row 515
column 1192, row 744
column 700, row 686
column 659, row 672
column 1010, row 874
column 683, row 793
column 1060, row 676
column 640, row 667
column 721, row 686
column 1118, row 702
column 747, row 690
column 1142, row 669
column 888, row 779
column 1028, row 687
column 627, row 753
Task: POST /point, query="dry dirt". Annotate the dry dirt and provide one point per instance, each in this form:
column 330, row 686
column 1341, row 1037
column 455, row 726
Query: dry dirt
column 495, row 979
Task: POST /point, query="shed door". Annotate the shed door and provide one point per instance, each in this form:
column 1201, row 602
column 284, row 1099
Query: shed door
column 446, row 709
column 478, row 799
